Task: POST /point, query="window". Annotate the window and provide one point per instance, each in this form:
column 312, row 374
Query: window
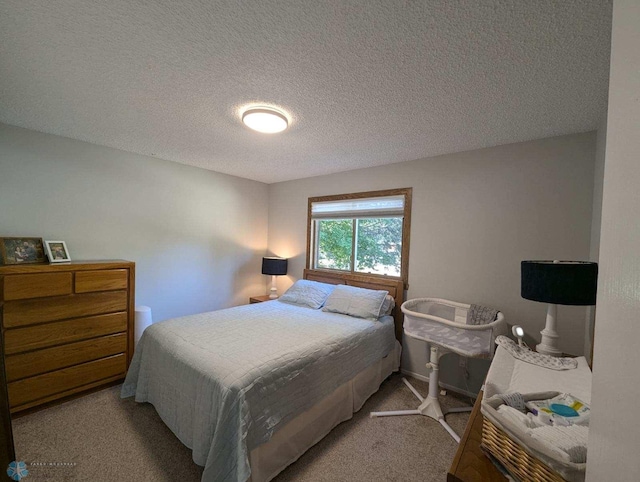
column 365, row 233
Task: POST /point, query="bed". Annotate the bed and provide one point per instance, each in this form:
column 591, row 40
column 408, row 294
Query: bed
column 249, row 389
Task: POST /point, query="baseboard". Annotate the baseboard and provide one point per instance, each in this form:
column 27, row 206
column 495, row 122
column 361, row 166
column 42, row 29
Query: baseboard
column 415, row 375
column 446, row 386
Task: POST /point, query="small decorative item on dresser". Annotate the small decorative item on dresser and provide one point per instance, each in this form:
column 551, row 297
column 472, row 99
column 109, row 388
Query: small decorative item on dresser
column 57, row 252
column 21, row 250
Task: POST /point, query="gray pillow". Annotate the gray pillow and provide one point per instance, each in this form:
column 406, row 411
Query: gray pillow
column 387, row 306
column 307, row 293
column 358, row 302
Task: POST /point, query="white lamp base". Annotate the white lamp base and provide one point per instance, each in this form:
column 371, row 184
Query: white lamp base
column 549, row 341
column 273, row 292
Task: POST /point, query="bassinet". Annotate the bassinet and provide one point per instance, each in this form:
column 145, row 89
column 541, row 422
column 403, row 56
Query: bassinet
column 444, row 323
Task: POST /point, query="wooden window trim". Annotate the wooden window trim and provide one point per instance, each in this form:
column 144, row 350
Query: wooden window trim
column 407, row 192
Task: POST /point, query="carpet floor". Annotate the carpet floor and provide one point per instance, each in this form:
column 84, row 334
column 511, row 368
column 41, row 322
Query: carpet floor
column 101, row 437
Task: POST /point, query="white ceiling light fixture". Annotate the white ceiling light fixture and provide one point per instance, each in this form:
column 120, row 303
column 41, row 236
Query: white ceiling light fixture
column 265, row 119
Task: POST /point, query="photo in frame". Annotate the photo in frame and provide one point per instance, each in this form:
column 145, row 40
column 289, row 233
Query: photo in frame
column 57, row 251
column 21, row 250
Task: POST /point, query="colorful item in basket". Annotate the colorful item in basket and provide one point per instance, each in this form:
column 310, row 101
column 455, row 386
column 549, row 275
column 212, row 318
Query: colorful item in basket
column 561, row 410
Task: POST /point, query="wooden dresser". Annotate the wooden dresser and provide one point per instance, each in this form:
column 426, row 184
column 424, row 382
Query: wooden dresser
column 67, row 328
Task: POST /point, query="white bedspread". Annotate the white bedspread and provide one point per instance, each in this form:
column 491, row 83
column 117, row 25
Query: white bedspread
column 224, row 381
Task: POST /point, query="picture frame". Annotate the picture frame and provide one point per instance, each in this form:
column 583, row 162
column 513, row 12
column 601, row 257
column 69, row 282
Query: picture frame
column 57, row 251
column 21, row 250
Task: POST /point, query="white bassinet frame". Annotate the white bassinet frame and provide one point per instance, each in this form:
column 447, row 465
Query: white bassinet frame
column 478, row 335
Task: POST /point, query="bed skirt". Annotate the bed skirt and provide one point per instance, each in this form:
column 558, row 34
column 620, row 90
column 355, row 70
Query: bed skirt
column 308, row 428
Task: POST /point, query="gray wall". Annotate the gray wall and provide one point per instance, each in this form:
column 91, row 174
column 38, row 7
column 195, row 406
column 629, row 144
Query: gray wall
column 596, row 221
column 614, row 432
column 197, row 237
column 475, row 216
column 598, row 182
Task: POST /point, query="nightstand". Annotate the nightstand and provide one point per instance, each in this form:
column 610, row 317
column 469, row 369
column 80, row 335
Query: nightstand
column 258, row 299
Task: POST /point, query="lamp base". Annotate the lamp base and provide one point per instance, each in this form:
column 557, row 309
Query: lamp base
column 273, row 292
column 548, row 350
column 549, row 342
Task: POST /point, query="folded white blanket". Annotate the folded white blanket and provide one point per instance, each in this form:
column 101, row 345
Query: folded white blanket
column 570, row 441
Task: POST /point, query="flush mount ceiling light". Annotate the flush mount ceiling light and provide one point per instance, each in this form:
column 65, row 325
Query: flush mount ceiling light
column 265, row 119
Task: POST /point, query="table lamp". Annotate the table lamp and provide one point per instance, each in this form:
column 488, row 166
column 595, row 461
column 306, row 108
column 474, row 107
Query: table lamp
column 274, row 267
column 558, row 283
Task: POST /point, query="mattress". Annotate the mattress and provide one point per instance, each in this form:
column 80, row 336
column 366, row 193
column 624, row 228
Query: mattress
column 224, row 382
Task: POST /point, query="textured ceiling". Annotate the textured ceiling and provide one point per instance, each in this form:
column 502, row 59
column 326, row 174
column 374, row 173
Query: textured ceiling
column 366, row 82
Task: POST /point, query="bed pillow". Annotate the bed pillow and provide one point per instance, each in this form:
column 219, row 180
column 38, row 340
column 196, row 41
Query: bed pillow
column 307, row 293
column 358, row 302
column 387, row 306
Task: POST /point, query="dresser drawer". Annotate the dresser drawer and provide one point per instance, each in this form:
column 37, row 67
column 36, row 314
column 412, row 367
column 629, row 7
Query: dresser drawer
column 28, row 312
column 42, row 361
column 18, row 340
column 31, row 389
column 23, row 286
column 103, row 280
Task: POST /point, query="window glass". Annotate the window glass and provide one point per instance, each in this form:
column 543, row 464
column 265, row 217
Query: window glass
column 335, row 242
column 379, row 246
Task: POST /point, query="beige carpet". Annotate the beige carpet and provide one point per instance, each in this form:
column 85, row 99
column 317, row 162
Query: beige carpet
column 109, row 439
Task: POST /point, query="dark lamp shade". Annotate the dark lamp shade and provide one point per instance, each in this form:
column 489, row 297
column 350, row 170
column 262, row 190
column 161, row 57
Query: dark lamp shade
column 561, row 283
column 274, row 266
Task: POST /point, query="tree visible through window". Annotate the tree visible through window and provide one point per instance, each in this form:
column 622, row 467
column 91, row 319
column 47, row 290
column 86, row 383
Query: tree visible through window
column 361, row 235
column 335, row 241
column 379, row 245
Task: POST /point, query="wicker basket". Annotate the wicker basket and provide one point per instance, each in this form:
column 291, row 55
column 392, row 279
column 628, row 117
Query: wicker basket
column 513, row 457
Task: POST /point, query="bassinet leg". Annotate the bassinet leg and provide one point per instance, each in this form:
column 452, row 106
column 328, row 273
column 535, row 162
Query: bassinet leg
column 434, row 376
column 448, row 428
column 394, row 413
column 459, row 409
column 430, row 406
column 415, row 392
